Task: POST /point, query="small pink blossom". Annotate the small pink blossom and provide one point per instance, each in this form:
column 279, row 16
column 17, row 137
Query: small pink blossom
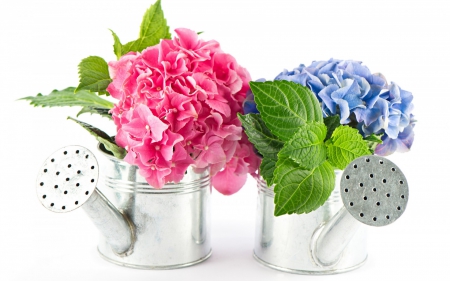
column 177, row 107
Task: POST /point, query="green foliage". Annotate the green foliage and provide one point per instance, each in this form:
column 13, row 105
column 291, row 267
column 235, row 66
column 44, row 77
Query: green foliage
column 67, row 97
column 300, row 148
column 372, row 142
column 306, row 146
column 285, row 106
column 153, row 28
column 344, row 146
column 103, row 138
column 299, row 190
column 94, row 75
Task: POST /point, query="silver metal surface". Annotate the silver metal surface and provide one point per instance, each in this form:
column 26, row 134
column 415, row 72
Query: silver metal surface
column 374, row 190
column 287, row 242
column 115, row 228
column 330, row 240
column 172, row 224
column 67, row 179
column 141, row 226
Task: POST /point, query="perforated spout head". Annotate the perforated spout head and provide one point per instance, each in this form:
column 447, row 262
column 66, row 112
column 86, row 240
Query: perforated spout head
column 374, row 190
column 67, row 179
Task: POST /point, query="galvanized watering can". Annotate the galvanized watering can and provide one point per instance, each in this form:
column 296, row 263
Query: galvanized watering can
column 140, row 226
column 371, row 190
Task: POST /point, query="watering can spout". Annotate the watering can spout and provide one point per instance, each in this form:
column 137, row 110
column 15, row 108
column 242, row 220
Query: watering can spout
column 374, row 192
column 68, row 180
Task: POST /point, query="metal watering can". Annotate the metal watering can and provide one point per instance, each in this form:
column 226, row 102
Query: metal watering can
column 140, row 226
column 371, row 190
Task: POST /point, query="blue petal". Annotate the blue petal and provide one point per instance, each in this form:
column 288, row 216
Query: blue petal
column 344, row 110
column 325, row 95
column 316, row 86
column 372, row 96
column 388, row 146
column 393, row 129
column 356, row 68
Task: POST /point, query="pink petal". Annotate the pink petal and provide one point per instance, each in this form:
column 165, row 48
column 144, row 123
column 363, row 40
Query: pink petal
column 227, row 183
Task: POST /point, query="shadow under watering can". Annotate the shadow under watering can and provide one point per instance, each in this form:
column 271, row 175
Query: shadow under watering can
column 371, row 190
column 141, row 226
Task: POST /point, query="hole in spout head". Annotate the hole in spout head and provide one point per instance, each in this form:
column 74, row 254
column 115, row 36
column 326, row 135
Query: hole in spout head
column 365, row 198
column 346, row 190
column 87, row 193
column 76, row 202
column 65, row 152
column 367, row 160
column 399, row 208
column 387, row 217
column 355, row 166
column 351, row 204
column 347, row 177
column 361, row 215
column 374, row 219
column 361, row 184
column 41, row 184
column 371, row 175
column 378, row 203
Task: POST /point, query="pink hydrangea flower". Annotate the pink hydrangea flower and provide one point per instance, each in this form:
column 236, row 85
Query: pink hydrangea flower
column 177, row 106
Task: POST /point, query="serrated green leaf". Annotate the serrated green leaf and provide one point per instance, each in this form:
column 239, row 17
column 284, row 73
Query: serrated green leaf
column 153, row 28
column 67, row 97
column 344, row 146
column 372, row 141
column 285, row 106
column 117, row 45
column 94, row 75
column 103, row 138
column 332, row 122
column 301, row 191
column 306, row 146
column 265, row 142
column 95, row 110
column 266, row 170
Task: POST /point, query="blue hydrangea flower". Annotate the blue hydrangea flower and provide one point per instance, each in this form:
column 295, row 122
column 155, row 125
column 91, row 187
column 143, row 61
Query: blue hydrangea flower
column 361, row 99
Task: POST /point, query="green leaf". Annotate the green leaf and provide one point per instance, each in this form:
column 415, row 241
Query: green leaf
column 372, row 142
column 332, row 122
column 344, row 146
column 285, row 106
column 67, row 97
column 266, row 169
column 153, row 28
column 117, row 45
column 265, row 142
column 103, row 138
column 301, row 191
column 306, row 146
column 94, row 75
column 95, row 110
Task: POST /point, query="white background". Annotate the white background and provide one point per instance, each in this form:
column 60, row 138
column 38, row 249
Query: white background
column 41, row 43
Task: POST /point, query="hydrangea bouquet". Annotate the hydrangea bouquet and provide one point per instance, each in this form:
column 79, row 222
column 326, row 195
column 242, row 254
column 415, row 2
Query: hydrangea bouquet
column 176, row 104
column 313, row 120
